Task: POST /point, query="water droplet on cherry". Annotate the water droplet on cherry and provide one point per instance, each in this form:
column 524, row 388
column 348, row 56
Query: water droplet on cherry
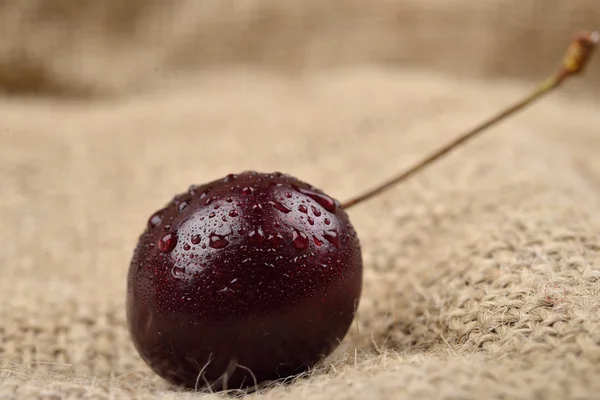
column 256, row 237
column 167, row 243
column 299, row 240
column 280, row 207
column 275, row 240
column 317, row 241
column 177, row 272
column 332, row 237
column 322, row 199
column 182, row 206
column 155, row 220
column 229, row 178
column 217, row 241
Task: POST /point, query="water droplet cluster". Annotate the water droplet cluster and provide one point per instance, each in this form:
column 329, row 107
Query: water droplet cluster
column 264, row 268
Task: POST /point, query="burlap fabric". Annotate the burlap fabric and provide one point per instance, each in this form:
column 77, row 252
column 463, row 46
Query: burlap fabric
column 482, row 275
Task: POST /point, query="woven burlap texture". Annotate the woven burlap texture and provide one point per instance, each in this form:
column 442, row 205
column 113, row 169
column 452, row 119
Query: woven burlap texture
column 482, row 274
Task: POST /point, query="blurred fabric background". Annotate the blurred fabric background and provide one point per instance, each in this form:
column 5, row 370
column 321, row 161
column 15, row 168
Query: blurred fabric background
column 73, row 47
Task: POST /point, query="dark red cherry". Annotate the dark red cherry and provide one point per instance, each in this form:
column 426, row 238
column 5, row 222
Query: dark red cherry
column 256, row 272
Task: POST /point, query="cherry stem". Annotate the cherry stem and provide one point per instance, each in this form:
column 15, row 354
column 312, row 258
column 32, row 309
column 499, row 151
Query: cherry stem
column 574, row 62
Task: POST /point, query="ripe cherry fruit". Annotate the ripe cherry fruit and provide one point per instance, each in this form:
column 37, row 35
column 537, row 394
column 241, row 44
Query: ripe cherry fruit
column 254, row 276
column 257, row 276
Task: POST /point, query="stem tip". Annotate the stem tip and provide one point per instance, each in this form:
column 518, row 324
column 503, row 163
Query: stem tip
column 579, row 52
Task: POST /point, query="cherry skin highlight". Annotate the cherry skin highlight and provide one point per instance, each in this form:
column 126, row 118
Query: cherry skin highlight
column 254, row 272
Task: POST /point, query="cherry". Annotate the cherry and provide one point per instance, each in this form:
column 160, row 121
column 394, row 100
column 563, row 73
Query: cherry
column 257, row 276
column 254, row 276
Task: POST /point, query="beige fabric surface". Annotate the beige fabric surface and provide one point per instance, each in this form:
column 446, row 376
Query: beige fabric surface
column 482, row 275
